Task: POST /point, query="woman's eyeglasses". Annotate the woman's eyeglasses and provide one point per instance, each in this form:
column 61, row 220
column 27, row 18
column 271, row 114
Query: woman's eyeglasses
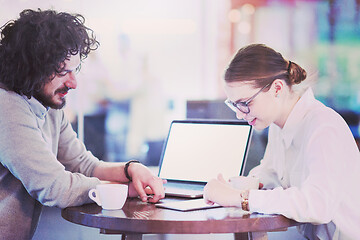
column 243, row 106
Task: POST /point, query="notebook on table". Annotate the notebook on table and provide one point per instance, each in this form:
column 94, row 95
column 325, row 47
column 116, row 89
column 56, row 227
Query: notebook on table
column 187, row 205
column 196, row 151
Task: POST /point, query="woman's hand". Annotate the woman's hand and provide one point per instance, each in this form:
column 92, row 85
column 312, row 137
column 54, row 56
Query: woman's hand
column 221, row 192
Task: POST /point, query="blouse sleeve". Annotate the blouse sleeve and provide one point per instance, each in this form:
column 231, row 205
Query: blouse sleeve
column 332, row 162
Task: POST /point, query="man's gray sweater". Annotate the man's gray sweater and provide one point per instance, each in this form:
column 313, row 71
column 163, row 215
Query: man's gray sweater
column 42, row 163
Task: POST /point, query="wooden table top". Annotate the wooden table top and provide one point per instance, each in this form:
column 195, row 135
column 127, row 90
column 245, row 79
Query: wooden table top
column 141, row 218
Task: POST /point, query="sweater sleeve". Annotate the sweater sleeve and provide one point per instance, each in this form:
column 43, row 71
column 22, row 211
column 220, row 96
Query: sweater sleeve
column 72, row 152
column 29, row 156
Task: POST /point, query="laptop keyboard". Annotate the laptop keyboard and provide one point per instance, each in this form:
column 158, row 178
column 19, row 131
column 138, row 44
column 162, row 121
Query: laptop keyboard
column 171, row 185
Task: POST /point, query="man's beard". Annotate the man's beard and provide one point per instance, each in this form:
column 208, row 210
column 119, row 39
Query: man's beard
column 47, row 99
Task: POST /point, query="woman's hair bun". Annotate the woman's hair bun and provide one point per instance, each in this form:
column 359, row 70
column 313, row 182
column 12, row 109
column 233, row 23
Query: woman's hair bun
column 296, row 73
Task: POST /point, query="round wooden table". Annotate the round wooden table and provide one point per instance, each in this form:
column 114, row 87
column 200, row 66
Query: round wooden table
column 137, row 218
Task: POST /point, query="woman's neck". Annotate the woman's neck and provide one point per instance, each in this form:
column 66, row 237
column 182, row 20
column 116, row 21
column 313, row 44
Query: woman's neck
column 289, row 103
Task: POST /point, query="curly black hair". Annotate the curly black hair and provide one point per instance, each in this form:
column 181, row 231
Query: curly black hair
column 34, row 47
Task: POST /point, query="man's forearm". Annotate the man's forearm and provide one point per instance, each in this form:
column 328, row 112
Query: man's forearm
column 110, row 171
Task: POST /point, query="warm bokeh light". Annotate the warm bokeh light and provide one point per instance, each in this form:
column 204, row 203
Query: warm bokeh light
column 234, row 15
column 248, row 9
column 244, row 27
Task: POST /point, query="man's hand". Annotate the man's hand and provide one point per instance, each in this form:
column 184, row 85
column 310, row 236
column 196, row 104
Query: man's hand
column 144, row 183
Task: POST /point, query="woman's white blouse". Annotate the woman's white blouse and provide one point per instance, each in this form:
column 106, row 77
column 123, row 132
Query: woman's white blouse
column 312, row 166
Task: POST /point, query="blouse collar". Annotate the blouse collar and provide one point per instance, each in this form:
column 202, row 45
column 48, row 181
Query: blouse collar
column 296, row 116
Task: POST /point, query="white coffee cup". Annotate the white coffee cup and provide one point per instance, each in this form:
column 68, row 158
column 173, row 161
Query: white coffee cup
column 244, row 183
column 109, row 196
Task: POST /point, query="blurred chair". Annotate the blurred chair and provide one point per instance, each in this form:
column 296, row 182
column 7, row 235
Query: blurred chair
column 154, row 150
column 94, row 133
column 116, row 131
column 209, row 109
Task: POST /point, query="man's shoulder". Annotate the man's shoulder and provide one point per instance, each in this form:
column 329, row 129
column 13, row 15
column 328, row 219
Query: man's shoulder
column 10, row 99
column 10, row 96
column 14, row 107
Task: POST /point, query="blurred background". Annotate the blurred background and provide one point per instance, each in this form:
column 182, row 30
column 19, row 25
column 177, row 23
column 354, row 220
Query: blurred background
column 161, row 60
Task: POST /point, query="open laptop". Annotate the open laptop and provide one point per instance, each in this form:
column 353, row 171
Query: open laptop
column 196, row 151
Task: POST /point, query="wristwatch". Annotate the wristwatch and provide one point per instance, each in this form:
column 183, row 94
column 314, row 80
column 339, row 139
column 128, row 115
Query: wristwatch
column 245, row 200
column 127, row 166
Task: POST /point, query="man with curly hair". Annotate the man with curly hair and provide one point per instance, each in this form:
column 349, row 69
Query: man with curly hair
column 42, row 160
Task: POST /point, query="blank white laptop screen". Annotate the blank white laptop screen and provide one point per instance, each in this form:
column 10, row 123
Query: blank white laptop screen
column 199, row 151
